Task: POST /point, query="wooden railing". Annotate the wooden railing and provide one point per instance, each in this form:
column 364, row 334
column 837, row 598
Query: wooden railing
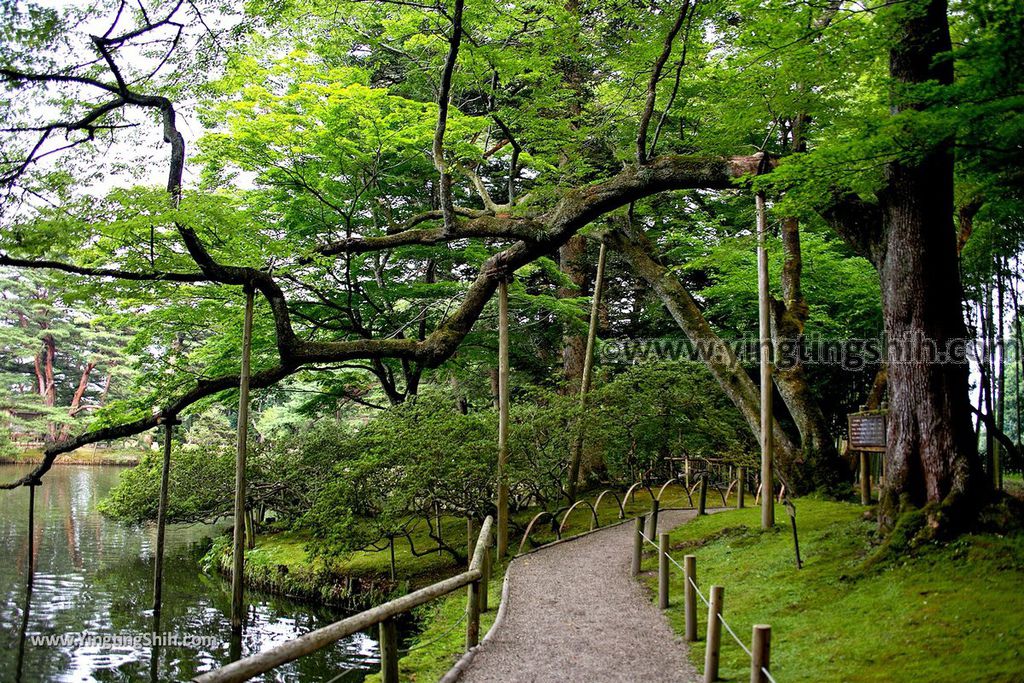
column 383, row 615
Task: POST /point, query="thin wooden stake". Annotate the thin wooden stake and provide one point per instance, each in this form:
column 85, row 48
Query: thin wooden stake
column 238, row 546
column 588, row 371
column 702, row 498
column 503, row 399
column 741, row 486
column 764, row 330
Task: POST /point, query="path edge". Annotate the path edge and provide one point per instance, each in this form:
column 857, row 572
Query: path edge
column 467, row 657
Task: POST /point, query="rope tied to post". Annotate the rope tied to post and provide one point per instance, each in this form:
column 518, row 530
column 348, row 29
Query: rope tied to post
column 721, row 619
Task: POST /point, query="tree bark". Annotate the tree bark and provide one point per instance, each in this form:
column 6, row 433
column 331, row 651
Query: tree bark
column 76, row 400
column 571, row 260
column 715, row 353
column 931, row 457
column 822, row 468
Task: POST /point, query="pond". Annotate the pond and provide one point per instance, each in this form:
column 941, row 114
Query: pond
column 93, row 578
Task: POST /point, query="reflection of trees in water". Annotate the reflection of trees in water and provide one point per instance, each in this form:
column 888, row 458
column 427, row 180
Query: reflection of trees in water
column 95, row 575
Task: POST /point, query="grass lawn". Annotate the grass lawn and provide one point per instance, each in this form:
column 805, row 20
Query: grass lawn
column 946, row 613
column 443, row 639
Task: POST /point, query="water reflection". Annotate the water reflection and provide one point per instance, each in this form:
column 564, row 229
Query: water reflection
column 94, row 576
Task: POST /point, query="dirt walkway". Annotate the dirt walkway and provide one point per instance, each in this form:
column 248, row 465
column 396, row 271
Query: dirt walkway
column 575, row 614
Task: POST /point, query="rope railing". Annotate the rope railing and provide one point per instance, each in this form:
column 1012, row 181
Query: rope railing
column 435, row 639
column 760, row 648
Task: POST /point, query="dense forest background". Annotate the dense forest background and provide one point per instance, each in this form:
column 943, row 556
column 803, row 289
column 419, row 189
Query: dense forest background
column 373, row 169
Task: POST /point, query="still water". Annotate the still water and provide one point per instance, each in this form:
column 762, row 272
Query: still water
column 94, row 576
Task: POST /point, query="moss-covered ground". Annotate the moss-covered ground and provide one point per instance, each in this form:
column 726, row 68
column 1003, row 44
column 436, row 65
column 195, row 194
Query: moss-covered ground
column 941, row 612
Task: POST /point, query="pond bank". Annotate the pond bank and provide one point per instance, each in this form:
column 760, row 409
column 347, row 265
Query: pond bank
column 83, row 456
column 282, row 564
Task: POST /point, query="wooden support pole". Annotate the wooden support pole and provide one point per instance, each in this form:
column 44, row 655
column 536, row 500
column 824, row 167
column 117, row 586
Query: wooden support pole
column 713, row 644
column 638, row 546
column 741, row 486
column 760, row 649
column 31, row 530
column 588, row 371
column 764, row 329
column 388, row 651
column 503, row 370
column 652, row 520
column 865, row 478
column 470, row 540
column 663, row 571
column 702, row 499
column 485, row 579
column 690, row 597
column 238, row 545
column 161, row 519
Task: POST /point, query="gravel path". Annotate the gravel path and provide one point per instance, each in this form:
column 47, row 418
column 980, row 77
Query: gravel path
column 575, row 614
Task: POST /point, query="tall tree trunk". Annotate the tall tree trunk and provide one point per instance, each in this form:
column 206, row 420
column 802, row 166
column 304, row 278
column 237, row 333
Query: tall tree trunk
column 76, row 400
column 931, row 457
column 715, row 353
column 50, row 393
column 821, row 467
column 997, row 478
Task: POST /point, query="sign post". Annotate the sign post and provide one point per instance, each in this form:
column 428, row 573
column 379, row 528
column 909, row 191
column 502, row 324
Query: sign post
column 867, row 435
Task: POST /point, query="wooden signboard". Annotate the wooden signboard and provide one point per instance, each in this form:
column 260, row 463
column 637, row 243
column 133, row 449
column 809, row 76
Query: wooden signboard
column 867, row 431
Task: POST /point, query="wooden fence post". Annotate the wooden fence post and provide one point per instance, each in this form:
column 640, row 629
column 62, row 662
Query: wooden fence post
column 760, row 648
column 713, row 642
column 741, row 486
column 638, row 546
column 486, row 571
column 388, row 651
column 473, row 615
column 652, row 520
column 663, row 571
column 702, row 499
column 690, row 596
